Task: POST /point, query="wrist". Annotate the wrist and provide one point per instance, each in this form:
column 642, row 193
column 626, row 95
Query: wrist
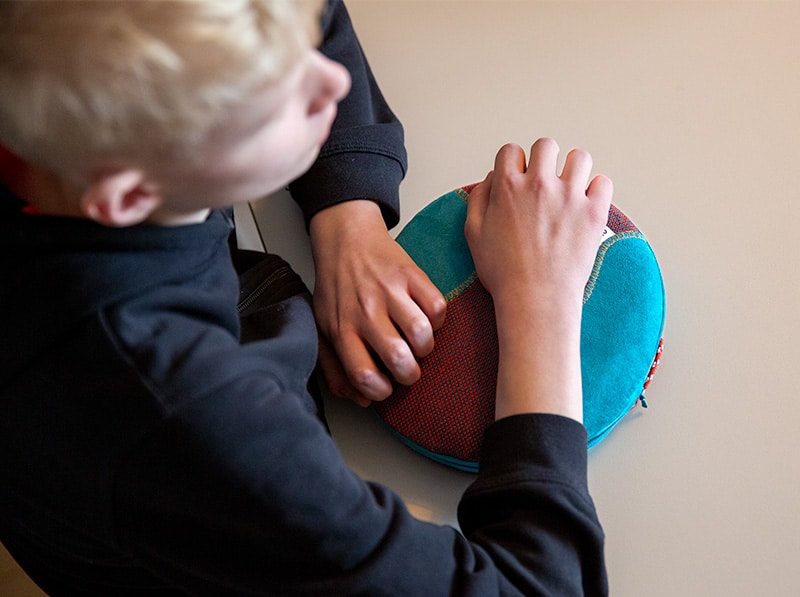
column 344, row 229
column 538, row 302
column 348, row 215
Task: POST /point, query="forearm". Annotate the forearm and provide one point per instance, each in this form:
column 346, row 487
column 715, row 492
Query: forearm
column 539, row 356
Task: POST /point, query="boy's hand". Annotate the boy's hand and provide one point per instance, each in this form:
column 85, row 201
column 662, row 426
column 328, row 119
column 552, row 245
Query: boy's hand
column 530, row 229
column 534, row 236
column 372, row 303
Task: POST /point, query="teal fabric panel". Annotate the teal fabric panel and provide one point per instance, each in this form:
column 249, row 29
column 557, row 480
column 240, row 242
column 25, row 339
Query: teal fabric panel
column 623, row 320
column 434, row 239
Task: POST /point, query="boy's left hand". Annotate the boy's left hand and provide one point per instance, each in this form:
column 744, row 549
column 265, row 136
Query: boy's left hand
column 371, row 301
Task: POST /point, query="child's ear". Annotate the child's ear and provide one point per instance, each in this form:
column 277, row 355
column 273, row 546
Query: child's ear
column 120, row 198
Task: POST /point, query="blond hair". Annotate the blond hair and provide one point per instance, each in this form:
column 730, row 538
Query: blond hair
column 112, row 80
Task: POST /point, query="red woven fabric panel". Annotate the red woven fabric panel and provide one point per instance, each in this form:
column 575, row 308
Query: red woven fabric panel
column 619, row 222
column 445, row 413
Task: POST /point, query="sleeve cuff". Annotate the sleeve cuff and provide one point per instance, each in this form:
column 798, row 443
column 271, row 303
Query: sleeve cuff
column 535, row 445
column 346, row 171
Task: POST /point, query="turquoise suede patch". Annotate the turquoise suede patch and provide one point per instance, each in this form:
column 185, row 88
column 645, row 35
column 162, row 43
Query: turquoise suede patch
column 434, row 239
column 623, row 318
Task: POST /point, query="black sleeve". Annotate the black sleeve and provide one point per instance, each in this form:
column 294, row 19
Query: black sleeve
column 365, row 156
column 530, row 507
column 245, row 495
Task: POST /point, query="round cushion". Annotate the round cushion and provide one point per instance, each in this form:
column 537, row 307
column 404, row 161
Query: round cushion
column 445, row 414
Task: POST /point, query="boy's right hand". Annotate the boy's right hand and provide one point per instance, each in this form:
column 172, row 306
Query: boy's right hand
column 372, row 304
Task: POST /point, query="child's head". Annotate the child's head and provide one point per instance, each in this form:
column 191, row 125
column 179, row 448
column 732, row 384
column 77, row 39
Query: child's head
column 92, row 87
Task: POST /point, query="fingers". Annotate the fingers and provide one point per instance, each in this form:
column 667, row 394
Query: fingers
column 544, row 157
column 600, row 192
column 389, row 343
column 403, row 330
column 400, row 335
column 416, row 328
column 600, row 189
column 510, row 159
column 395, row 351
column 426, row 298
column 335, row 377
column 577, row 168
column 362, row 372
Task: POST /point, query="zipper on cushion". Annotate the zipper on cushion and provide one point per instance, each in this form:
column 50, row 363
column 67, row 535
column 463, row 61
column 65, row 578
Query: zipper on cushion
column 656, row 362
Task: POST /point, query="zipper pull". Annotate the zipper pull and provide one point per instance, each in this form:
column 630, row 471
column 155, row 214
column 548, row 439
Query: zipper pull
column 642, row 400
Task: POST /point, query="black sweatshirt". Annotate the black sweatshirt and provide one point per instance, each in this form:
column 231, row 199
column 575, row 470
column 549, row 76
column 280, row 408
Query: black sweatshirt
column 145, row 451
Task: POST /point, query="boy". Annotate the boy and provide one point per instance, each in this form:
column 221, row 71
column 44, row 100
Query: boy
column 144, row 449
